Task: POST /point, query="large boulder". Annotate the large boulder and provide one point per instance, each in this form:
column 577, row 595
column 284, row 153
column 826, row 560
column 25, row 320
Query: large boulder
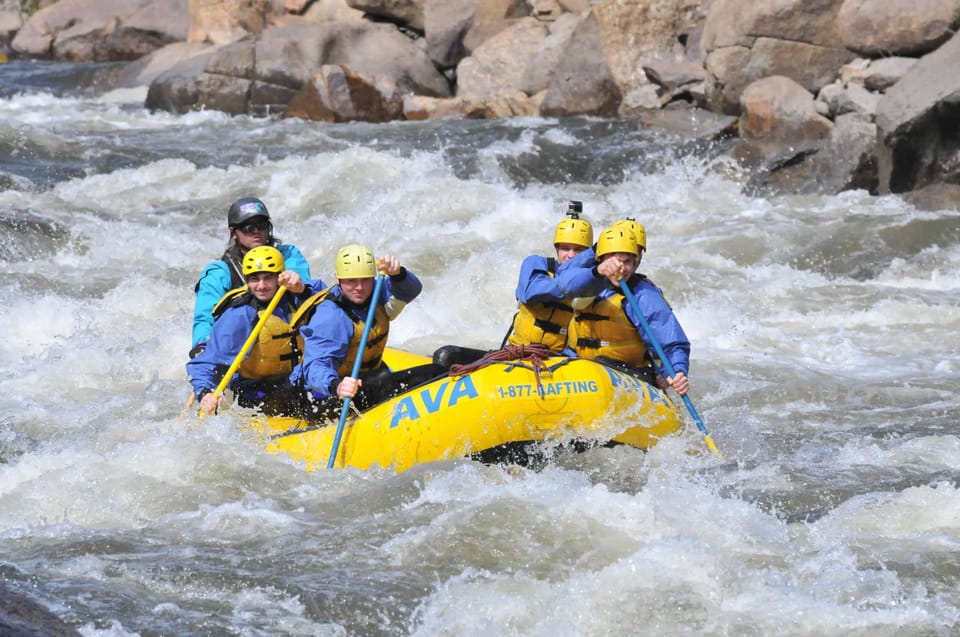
column 917, row 123
column 262, row 76
column 102, row 30
column 583, row 83
column 880, row 28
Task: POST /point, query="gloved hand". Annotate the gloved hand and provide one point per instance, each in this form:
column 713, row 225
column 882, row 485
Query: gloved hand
column 197, row 349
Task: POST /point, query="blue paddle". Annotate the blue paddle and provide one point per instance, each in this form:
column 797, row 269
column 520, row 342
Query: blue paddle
column 667, row 365
column 374, row 299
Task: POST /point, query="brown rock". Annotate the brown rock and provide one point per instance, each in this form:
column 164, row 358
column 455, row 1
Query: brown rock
column 779, row 112
column 337, row 94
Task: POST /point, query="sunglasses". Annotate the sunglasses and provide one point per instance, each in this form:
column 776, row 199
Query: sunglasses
column 249, row 228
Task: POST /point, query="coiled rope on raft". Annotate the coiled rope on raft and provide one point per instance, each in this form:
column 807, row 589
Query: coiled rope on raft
column 535, row 355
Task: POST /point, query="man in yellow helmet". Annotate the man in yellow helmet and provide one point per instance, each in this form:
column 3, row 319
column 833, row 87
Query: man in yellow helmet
column 263, row 375
column 332, row 325
column 605, row 325
column 544, row 313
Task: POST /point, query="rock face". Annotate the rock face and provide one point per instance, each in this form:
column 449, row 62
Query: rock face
column 825, row 94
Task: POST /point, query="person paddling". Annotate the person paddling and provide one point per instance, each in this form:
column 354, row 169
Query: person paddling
column 250, row 226
column 262, row 379
column 604, row 326
column 332, row 325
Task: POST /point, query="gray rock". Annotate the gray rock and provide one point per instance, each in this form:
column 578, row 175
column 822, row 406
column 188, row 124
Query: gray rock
column 262, row 76
column 877, row 28
column 404, row 12
column 21, row 616
column 883, row 73
column 917, row 123
column 583, row 83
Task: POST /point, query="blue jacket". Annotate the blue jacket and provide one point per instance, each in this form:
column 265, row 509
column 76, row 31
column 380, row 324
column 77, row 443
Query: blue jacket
column 577, row 278
column 535, row 285
column 215, row 281
column 230, row 332
column 326, row 336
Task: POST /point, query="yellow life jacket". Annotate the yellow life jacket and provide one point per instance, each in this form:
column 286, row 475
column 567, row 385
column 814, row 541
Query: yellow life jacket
column 376, row 339
column 305, row 311
column 278, row 346
column 603, row 329
column 376, row 343
column 542, row 323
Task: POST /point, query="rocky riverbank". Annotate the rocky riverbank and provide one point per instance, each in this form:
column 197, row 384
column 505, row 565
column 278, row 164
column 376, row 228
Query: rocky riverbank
column 821, row 96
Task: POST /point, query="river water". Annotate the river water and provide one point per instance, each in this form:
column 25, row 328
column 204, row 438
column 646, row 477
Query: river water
column 826, row 356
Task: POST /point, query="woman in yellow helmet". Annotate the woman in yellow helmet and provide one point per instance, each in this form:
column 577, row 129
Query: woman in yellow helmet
column 262, row 378
column 332, row 324
column 605, row 326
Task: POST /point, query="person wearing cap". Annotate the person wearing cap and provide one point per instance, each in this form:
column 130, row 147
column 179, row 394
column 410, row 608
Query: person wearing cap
column 544, row 312
column 262, row 379
column 332, row 326
column 248, row 221
column 605, row 326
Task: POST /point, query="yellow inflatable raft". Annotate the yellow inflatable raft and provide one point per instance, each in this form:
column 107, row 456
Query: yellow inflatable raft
column 499, row 405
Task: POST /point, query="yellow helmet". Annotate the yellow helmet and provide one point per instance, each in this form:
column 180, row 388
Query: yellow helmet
column 617, row 238
column 355, row 262
column 574, row 230
column 638, row 230
column 263, row 259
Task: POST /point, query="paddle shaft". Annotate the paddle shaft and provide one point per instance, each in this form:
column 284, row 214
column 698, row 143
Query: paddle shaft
column 371, row 312
column 267, row 313
column 667, row 365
